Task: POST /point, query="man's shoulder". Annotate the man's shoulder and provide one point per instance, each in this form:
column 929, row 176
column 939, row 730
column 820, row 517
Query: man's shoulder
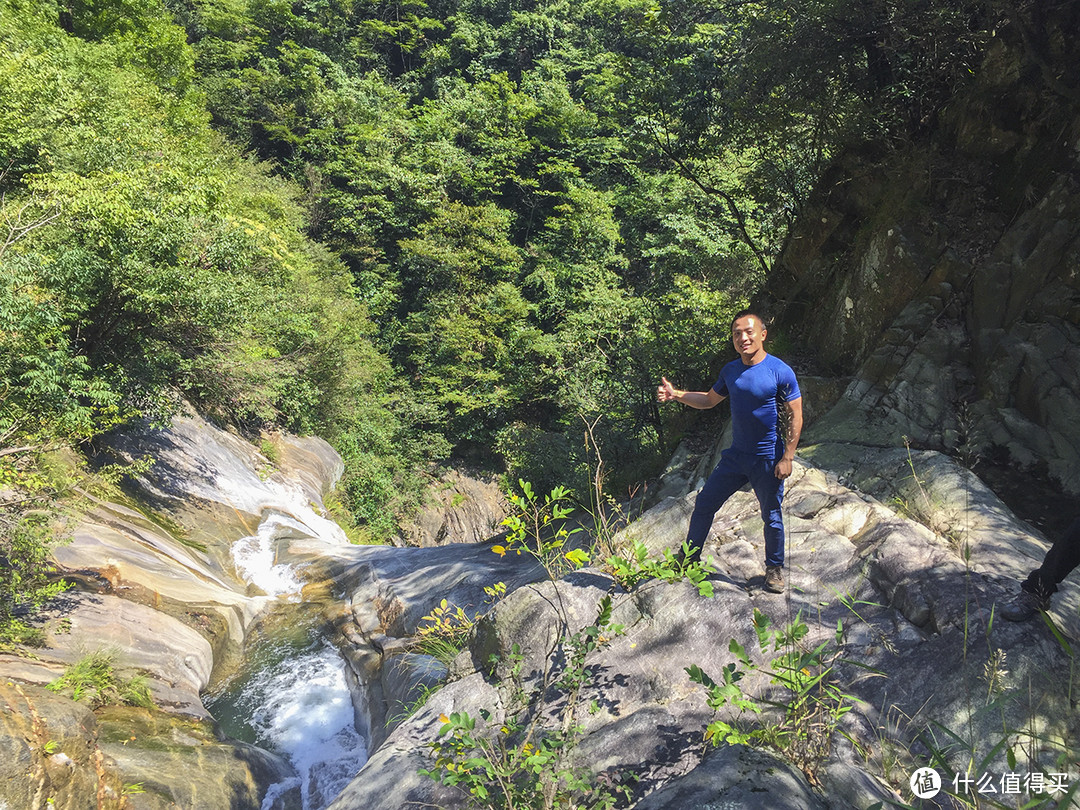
column 776, row 363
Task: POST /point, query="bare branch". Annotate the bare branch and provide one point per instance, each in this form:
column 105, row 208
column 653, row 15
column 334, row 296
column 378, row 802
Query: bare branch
column 10, row 451
column 19, row 225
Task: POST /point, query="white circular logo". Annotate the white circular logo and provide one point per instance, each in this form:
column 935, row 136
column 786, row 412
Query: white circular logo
column 925, row 783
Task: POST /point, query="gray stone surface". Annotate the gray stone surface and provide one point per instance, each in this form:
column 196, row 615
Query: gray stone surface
column 910, row 587
column 177, row 659
column 736, row 778
column 968, row 345
column 460, row 508
column 905, row 554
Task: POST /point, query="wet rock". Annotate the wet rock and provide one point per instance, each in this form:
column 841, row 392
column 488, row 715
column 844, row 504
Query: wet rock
column 156, row 588
column 47, row 748
column 390, row 591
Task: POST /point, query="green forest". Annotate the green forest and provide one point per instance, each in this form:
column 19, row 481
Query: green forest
column 425, row 230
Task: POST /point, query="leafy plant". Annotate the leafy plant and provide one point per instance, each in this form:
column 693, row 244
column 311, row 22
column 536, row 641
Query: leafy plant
column 540, row 528
column 445, row 631
column 583, row 643
column 523, row 761
column 811, row 703
column 18, row 633
column 639, row 566
column 270, row 451
column 27, row 575
column 504, row 766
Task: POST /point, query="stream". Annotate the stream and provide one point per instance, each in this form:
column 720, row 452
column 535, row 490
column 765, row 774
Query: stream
column 291, row 696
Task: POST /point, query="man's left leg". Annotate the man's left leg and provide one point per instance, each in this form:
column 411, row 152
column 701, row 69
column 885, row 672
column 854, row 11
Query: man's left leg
column 770, row 494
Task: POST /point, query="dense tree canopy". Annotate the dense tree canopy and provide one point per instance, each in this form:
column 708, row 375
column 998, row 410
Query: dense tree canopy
column 421, row 227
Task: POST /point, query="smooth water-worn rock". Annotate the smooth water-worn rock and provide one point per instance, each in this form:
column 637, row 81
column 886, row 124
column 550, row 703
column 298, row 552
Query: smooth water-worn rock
column 218, row 485
column 143, row 759
column 176, row 659
column 389, row 592
column 160, row 592
column 178, row 763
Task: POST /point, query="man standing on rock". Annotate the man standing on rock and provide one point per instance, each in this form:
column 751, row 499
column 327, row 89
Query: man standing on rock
column 758, row 384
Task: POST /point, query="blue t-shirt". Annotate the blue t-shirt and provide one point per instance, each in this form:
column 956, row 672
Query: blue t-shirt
column 756, row 392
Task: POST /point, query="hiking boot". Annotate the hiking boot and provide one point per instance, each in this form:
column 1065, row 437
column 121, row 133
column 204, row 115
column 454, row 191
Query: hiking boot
column 1023, row 606
column 774, row 578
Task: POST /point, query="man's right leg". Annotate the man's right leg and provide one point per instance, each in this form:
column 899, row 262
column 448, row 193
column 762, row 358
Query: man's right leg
column 724, row 482
column 1060, row 560
column 1035, row 591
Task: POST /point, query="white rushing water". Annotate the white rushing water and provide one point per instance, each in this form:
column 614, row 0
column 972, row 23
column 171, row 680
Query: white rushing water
column 303, row 710
column 255, row 557
column 291, row 517
column 299, row 706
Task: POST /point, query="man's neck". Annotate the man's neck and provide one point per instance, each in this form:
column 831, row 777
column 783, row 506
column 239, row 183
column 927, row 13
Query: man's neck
column 753, row 360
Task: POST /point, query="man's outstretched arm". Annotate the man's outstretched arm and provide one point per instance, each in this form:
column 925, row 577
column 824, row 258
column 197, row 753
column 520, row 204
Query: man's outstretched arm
column 702, row 400
column 791, row 441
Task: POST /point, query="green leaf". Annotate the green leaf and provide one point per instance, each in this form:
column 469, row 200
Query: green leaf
column 739, row 651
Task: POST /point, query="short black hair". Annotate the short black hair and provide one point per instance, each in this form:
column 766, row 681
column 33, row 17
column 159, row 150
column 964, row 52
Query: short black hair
column 744, row 313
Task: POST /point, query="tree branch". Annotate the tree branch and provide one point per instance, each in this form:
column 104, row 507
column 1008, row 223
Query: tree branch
column 712, row 191
column 10, row 451
column 17, row 228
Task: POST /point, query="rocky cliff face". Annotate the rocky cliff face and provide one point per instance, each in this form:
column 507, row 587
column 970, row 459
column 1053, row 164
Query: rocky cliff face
column 944, row 277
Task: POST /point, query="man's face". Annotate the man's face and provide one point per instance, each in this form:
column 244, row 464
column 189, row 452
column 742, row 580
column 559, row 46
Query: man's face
column 748, row 335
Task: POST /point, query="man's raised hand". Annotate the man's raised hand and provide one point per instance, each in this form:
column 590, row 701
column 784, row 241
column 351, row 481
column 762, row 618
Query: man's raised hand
column 665, row 392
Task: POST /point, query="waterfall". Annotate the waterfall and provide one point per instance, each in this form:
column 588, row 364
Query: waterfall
column 303, row 710
column 294, row 699
column 255, row 557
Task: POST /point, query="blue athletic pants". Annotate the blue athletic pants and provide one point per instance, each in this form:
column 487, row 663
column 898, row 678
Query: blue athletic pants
column 735, row 469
